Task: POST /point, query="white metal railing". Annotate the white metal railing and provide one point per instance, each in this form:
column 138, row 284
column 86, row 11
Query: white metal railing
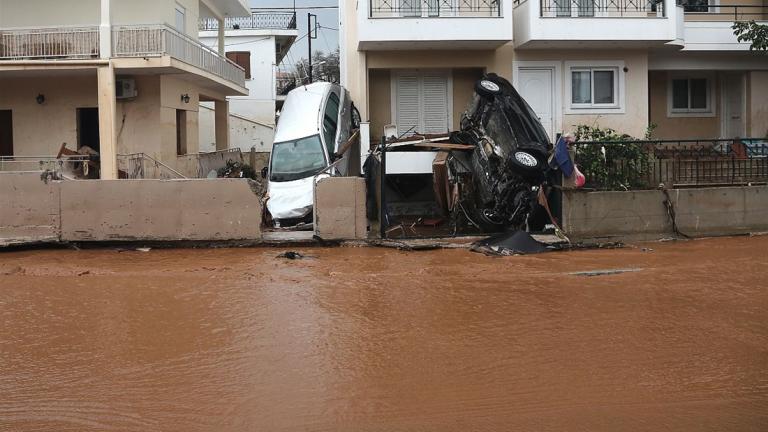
column 158, row 40
column 143, row 166
column 49, row 43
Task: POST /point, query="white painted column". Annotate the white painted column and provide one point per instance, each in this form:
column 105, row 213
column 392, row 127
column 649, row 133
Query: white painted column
column 221, row 113
column 222, row 48
column 105, row 30
column 107, row 122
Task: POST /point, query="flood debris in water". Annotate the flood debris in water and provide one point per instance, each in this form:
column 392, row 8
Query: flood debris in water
column 510, row 243
column 293, row 255
column 605, row 272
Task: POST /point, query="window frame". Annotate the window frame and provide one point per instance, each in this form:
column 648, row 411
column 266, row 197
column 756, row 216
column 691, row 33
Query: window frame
column 420, row 73
column 176, row 10
column 619, row 87
column 709, row 111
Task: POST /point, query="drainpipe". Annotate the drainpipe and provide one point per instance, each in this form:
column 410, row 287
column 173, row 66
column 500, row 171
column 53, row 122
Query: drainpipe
column 105, row 30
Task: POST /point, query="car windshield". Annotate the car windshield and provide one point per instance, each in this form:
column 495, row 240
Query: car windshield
column 293, row 160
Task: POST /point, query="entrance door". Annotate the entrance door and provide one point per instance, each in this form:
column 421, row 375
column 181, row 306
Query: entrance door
column 88, row 128
column 733, row 124
column 536, row 87
column 6, row 133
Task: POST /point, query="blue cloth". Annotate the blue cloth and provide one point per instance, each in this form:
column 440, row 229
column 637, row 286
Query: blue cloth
column 562, row 157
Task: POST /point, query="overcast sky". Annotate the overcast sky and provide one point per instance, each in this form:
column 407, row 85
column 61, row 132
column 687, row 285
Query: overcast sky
column 327, row 40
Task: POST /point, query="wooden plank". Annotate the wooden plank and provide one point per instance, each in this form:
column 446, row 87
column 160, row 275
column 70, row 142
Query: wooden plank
column 446, row 146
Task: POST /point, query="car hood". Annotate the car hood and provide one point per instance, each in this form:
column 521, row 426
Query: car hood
column 291, row 199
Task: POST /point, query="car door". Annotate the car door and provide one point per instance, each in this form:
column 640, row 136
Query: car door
column 344, row 129
column 330, row 124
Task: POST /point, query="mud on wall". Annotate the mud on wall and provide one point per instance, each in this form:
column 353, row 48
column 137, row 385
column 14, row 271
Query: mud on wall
column 642, row 214
column 96, row 210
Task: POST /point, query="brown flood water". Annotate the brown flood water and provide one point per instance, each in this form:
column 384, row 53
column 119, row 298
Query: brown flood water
column 364, row 339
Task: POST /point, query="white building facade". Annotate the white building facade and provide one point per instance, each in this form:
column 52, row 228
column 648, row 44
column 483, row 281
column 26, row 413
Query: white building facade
column 624, row 65
column 258, row 43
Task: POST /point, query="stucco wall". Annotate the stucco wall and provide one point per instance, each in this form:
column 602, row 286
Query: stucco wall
column 634, row 119
column 243, row 133
column 145, row 124
column 41, row 129
column 757, row 120
column 642, row 214
column 49, row 13
column 680, row 127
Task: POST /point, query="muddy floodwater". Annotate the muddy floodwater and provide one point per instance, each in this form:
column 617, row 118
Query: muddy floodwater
column 366, row 339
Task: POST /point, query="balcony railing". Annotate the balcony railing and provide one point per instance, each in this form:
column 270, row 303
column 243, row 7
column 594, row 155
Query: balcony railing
column 49, row 43
column 159, row 40
column 602, row 8
column 696, row 11
column 434, row 8
column 257, row 21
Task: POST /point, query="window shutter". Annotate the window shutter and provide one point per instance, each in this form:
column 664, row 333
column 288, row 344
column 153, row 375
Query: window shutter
column 242, row 59
column 407, row 94
column 435, row 96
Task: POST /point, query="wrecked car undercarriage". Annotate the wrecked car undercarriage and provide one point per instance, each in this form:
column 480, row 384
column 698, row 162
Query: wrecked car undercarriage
column 508, row 164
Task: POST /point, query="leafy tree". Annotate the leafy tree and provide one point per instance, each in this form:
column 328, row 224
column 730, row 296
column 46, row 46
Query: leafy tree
column 750, row 31
column 325, row 67
column 620, row 164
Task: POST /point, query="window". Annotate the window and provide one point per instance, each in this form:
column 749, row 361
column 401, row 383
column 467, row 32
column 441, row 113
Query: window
column 689, row 95
column 6, row 133
column 698, row 6
column 594, row 87
column 181, row 18
column 181, row 132
column 242, row 59
column 421, row 102
column 330, row 122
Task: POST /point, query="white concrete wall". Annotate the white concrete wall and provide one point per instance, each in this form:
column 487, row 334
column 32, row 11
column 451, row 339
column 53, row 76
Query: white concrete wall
column 259, row 105
column 49, row 13
column 243, row 133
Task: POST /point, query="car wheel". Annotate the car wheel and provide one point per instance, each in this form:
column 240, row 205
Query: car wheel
column 525, row 161
column 487, row 88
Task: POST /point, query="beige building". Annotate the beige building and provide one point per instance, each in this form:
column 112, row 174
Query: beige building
column 122, row 77
column 411, row 64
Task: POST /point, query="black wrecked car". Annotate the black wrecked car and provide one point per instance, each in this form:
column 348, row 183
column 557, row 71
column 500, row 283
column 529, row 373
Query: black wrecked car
column 509, row 162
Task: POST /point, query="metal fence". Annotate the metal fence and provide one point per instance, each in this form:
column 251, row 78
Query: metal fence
column 143, row 166
column 647, row 164
column 158, row 40
column 602, row 8
column 62, row 167
column 702, row 11
column 257, row 20
column 434, row 8
column 49, row 43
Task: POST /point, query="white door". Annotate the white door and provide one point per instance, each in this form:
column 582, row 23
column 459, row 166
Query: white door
column 733, row 105
column 536, row 87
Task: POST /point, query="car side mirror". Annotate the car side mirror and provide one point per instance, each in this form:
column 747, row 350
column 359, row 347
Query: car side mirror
column 264, row 172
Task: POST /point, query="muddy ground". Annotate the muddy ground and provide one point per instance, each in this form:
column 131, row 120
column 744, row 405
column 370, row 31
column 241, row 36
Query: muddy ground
column 367, row 339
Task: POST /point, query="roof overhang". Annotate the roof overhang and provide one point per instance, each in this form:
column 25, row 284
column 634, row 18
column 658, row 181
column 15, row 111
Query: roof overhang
column 225, row 8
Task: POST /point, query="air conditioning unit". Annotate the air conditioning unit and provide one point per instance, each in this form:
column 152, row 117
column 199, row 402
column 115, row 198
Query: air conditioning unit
column 125, row 88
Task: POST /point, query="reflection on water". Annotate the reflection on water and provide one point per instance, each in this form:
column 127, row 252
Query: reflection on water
column 362, row 339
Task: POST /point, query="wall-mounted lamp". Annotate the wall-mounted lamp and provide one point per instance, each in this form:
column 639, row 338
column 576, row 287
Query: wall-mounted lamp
column 40, row 99
column 185, row 98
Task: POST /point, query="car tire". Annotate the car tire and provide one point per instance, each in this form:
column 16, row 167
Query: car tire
column 526, row 161
column 487, row 88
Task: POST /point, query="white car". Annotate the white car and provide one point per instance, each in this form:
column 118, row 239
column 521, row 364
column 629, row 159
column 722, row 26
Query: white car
column 316, row 120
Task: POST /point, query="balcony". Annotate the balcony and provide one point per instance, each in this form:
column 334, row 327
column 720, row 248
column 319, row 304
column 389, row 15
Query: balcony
column 257, row 21
column 708, row 27
column 433, row 24
column 161, row 40
column 596, row 23
column 49, row 43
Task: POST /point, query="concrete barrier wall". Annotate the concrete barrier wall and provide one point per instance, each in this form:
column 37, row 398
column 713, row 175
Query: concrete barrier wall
column 642, row 214
column 192, row 209
column 29, row 208
column 150, row 210
column 339, row 206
